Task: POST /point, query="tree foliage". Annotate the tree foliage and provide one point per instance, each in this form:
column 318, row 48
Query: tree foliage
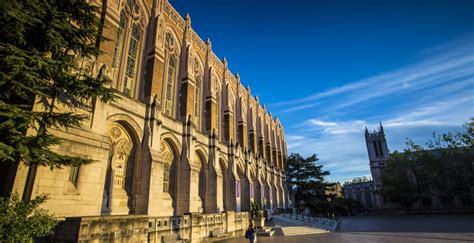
column 444, row 169
column 43, row 46
column 358, row 180
column 398, row 187
column 306, row 178
column 20, row 221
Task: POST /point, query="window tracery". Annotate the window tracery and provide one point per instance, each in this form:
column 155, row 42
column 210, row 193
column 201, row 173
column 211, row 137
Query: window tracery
column 197, row 92
column 170, row 74
column 128, row 47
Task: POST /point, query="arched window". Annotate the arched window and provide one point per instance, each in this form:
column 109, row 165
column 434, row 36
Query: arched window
column 197, row 93
column 135, row 38
column 119, row 41
column 219, row 119
column 125, row 71
column 168, row 157
column 166, row 178
column 170, row 74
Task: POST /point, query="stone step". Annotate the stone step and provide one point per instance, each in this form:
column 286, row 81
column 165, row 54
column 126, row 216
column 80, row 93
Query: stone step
column 266, row 233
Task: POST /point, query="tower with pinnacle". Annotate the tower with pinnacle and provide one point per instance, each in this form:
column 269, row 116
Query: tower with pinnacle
column 377, row 150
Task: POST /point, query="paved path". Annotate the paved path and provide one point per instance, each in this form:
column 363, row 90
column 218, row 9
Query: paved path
column 462, row 223
column 368, row 229
column 365, row 237
column 284, row 228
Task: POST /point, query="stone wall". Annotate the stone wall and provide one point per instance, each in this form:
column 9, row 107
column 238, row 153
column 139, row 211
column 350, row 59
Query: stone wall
column 188, row 228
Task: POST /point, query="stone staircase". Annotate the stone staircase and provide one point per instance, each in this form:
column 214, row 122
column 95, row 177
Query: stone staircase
column 265, row 232
column 322, row 224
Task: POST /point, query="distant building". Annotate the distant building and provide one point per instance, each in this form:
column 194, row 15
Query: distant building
column 334, row 190
column 377, row 150
column 378, row 153
column 362, row 192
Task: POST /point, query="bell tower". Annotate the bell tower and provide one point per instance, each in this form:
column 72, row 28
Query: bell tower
column 377, row 150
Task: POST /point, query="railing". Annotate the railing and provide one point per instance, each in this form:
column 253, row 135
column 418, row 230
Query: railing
column 319, row 222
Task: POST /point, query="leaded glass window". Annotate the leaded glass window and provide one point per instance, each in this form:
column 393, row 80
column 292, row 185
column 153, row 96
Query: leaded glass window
column 171, row 76
column 132, row 57
column 197, row 98
column 119, row 39
column 166, row 178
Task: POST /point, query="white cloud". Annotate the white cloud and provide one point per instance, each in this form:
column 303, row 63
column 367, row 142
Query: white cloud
column 443, row 68
column 435, row 94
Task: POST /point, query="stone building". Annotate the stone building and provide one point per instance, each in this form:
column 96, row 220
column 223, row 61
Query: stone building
column 378, row 152
column 334, row 190
column 183, row 152
column 362, row 192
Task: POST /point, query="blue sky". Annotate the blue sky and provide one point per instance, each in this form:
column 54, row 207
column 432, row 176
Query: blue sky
column 327, row 69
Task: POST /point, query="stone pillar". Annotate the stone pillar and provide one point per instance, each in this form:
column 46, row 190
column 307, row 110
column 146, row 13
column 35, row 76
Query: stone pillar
column 211, row 114
column 186, row 100
column 155, row 54
column 213, row 184
column 253, row 141
column 229, row 126
column 231, row 202
column 245, row 193
column 257, row 193
column 243, row 134
column 187, row 198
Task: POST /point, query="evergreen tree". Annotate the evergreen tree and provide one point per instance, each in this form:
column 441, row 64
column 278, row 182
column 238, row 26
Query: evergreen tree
column 42, row 47
column 306, row 179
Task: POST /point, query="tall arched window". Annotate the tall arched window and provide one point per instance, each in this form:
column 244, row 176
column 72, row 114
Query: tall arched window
column 170, row 74
column 128, row 47
column 129, row 83
column 119, row 41
column 219, row 119
column 197, row 93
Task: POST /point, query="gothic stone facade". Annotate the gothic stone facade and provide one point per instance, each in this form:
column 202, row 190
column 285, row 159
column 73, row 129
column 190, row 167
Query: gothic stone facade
column 362, row 192
column 377, row 150
column 185, row 137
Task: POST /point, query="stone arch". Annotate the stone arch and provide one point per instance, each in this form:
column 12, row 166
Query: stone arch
column 170, row 156
column 173, row 141
column 239, row 175
column 119, row 195
column 254, row 186
column 267, row 190
column 222, row 180
column 201, row 163
column 171, row 29
column 126, row 120
column 261, row 184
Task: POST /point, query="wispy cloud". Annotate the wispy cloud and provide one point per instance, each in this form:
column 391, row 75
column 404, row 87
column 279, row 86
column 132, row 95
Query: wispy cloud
column 436, row 93
column 445, row 66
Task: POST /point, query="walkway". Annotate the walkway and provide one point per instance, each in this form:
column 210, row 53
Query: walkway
column 391, row 229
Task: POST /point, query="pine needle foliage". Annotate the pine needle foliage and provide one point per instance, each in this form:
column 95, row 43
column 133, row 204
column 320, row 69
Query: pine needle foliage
column 43, row 46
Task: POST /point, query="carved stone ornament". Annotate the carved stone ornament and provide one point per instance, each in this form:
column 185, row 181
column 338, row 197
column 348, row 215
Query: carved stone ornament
column 169, row 42
column 115, row 132
column 166, row 153
column 122, row 149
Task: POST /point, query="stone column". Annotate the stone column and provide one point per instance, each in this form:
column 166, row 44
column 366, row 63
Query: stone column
column 213, row 187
